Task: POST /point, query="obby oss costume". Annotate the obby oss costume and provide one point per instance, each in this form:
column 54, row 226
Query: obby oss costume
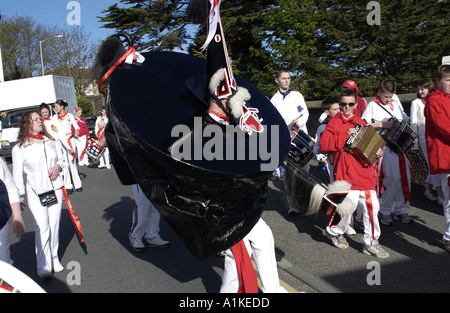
column 157, row 112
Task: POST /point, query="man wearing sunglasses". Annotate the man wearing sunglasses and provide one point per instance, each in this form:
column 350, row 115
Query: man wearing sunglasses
column 362, row 178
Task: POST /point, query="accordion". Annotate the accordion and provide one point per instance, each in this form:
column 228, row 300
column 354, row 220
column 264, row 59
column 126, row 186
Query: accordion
column 400, row 137
column 365, row 145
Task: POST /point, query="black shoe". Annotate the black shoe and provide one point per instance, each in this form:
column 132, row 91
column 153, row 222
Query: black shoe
column 79, row 189
column 69, row 191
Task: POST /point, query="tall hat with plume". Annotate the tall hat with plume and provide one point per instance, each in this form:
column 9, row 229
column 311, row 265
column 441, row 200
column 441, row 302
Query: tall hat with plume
column 221, row 82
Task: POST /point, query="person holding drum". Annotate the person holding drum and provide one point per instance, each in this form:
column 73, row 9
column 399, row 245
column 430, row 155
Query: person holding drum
column 437, row 136
column 41, row 159
column 63, row 122
column 82, row 139
column 396, row 166
column 363, row 178
column 292, row 107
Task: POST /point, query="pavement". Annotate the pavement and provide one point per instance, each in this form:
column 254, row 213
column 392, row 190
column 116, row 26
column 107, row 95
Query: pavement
column 307, row 261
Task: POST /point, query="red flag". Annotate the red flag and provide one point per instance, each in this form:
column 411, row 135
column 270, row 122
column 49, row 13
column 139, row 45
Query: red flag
column 75, row 219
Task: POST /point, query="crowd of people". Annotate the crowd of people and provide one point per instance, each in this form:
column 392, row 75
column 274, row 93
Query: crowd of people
column 50, row 148
column 390, row 175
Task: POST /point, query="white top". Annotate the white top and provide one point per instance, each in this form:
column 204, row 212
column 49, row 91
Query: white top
column 417, row 117
column 291, row 107
column 30, row 159
column 64, row 127
column 6, row 177
column 100, row 118
column 374, row 113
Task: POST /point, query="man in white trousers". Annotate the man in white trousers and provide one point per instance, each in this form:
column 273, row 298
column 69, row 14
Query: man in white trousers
column 145, row 228
column 260, row 245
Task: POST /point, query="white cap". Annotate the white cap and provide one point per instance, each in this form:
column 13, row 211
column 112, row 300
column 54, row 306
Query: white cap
column 446, row 60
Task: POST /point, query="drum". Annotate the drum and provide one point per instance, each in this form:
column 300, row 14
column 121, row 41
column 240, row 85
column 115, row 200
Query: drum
column 400, row 138
column 93, row 151
column 366, row 145
column 301, row 147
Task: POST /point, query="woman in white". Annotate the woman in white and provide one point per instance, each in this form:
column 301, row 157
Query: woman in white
column 40, row 158
column 17, row 221
column 425, row 88
column 63, row 122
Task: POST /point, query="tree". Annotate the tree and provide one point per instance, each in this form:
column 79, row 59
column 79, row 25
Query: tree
column 322, row 43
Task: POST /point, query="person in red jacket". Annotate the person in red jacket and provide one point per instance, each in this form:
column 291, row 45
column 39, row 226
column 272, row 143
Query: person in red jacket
column 437, row 137
column 363, row 179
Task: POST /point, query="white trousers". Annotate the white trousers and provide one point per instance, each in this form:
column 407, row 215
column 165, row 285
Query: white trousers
column 46, row 226
column 5, row 255
column 369, row 208
column 80, row 146
column 446, row 204
column 70, row 172
column 105, row 159
column 431, row 179
column 145, row 216
column 393, row 182
column 260, row 245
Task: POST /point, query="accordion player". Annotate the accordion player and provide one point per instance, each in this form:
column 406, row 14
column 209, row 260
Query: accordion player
column 366, row 145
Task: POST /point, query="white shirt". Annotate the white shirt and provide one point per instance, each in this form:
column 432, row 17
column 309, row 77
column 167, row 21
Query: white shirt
column 417, row 117
column 374, row 113
column 291, row 107
column 6, row 177
column 31, row 159
column 64, row 127
column 100, row 118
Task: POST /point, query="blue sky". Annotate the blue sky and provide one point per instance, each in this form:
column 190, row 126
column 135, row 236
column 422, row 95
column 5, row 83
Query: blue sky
column 55, row 12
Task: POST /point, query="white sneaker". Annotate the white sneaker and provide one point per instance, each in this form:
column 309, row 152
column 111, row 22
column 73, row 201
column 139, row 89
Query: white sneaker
column 57, row 267
column 429, row 195
column 156, row 242
column 376, row 250
column 440, row 199
column 137, row 244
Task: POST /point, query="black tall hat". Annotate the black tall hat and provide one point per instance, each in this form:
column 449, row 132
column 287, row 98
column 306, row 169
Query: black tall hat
column 210, row 203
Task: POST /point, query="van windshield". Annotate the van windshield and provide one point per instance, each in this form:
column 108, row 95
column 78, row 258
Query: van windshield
column 13, row 118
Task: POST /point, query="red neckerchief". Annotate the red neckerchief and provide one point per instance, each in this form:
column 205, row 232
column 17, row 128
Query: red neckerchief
column 378, row 100
column 346, row 117
column 441, row 93
column 424, row 100
column 38, row 136
column 46, row 118
column 219, row 115
column 61, row 116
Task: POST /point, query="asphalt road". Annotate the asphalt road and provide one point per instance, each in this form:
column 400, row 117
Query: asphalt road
column 307, row 261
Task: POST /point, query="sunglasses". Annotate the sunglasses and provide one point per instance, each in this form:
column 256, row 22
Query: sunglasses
column 343, row 104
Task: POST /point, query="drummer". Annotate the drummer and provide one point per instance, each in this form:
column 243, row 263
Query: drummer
column 292, row 107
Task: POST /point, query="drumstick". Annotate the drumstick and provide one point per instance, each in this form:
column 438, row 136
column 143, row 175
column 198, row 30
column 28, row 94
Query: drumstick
column 289, row 125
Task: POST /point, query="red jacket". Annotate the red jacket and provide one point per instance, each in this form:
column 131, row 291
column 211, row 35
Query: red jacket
column 437, row 131
column 346, row 166
column 84, row 131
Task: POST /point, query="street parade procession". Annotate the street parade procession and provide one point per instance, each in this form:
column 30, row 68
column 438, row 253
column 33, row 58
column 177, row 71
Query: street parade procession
column 202, row 148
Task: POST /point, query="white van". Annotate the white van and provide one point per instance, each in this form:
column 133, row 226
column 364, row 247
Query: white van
column 22, row 95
